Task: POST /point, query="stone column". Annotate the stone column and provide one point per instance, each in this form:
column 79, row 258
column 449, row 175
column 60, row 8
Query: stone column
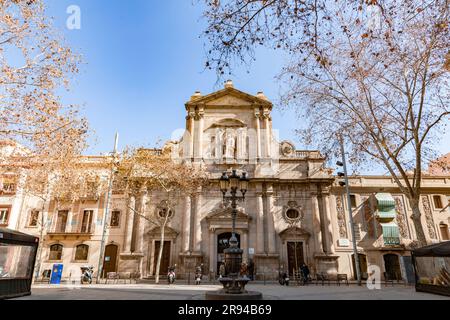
column 244, row 246
column 187, row 224
column 191, row 133
column 270, row 221
column 141, row 221
column 212, row 250
column 316, row 223
column 217, row 145
column 327, row 222
column 258, row 133
column 259, row 220
column 199, row 142
column 267, row 132
column 197, row 223
column 130, row 224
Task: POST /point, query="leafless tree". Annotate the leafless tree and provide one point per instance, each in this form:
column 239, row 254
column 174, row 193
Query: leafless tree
column 375, row 72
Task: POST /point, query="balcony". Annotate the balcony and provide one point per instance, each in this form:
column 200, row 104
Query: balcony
column 65, row 233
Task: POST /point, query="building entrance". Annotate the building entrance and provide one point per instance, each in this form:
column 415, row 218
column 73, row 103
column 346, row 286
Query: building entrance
column 223, row 242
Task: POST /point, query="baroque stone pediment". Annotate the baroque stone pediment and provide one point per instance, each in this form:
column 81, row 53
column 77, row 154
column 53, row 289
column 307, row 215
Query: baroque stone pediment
column 294, row 232
column 169, row 233
column 229, row 97
column 224, row 214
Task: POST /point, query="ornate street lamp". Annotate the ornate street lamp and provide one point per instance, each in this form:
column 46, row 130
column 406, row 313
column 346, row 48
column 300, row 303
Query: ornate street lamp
column 233, row 282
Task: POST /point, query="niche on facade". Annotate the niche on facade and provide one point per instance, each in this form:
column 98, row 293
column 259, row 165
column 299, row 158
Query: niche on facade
column 226, row 139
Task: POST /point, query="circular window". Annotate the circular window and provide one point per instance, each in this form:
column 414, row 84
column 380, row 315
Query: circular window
column 163, row 213
column 292, row 214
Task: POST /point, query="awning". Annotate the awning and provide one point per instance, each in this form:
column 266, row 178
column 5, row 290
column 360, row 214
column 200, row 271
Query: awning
column 385, row 206
column 391, row 235
column 435, row 250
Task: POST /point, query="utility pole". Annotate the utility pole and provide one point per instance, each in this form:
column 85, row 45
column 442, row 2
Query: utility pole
column 349, row 205
column 108, row 200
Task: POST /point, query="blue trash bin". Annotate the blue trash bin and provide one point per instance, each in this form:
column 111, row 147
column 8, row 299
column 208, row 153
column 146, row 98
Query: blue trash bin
column 56, row 274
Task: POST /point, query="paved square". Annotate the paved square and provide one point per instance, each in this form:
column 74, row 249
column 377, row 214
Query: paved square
column 192, row 292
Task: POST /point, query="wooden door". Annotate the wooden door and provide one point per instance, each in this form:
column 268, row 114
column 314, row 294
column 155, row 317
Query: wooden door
column 392, row 266
column 165, row 259
column 295, row 256
column 110, row 260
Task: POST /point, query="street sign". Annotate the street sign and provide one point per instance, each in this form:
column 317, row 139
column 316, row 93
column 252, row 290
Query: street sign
column 344, row 243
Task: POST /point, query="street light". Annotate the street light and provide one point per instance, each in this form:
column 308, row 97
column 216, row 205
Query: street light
column 232, row 282
column 345, row 184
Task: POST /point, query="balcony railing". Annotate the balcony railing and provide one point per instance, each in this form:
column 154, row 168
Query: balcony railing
column 63, row 231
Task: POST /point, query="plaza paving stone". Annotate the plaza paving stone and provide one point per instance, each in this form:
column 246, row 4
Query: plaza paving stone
column 192, row 292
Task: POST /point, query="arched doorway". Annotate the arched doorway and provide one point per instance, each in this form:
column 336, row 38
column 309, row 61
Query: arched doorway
column 223, row 240
column 392, row 266
column 362, row 266
column 110, row 259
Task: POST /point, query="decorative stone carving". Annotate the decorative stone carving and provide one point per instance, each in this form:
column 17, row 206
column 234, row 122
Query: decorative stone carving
column 429, row 217
column 368, row 216
column 287, row 149
column 341, row 217
column 401, row 217
column 293, row 213
column 164, row 210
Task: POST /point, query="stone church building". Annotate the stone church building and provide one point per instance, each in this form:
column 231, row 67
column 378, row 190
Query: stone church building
column 295, row 211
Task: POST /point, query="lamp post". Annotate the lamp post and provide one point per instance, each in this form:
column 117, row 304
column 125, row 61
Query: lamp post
column 233, row 283
column 345, row 183
column 107, row 209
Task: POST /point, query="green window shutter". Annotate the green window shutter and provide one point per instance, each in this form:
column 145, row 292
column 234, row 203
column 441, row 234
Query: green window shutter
column 386, row 207
column 391, row 235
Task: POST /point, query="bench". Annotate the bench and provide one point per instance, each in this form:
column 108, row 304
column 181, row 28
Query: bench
column 322, row 278
column 341, row 277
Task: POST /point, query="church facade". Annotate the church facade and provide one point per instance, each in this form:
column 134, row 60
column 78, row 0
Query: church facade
column 295, row 212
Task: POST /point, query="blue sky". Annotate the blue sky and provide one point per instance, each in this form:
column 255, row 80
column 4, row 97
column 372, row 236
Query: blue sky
column 143, row 60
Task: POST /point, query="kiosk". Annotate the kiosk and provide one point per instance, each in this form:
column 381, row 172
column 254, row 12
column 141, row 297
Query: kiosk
column 432, row 268
column 17, row 257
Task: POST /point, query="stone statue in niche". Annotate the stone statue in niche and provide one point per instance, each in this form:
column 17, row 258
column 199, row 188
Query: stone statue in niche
column 229, row 144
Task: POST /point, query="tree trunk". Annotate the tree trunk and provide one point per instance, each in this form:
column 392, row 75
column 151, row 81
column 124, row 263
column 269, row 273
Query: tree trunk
column 161, row 248
column 41, row 244
column 420, row 234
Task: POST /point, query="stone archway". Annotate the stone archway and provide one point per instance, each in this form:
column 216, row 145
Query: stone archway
column 219, row 222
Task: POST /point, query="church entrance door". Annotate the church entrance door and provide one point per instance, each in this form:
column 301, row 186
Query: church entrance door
column 165, row 259
column 223, row 240
column 295, row 256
